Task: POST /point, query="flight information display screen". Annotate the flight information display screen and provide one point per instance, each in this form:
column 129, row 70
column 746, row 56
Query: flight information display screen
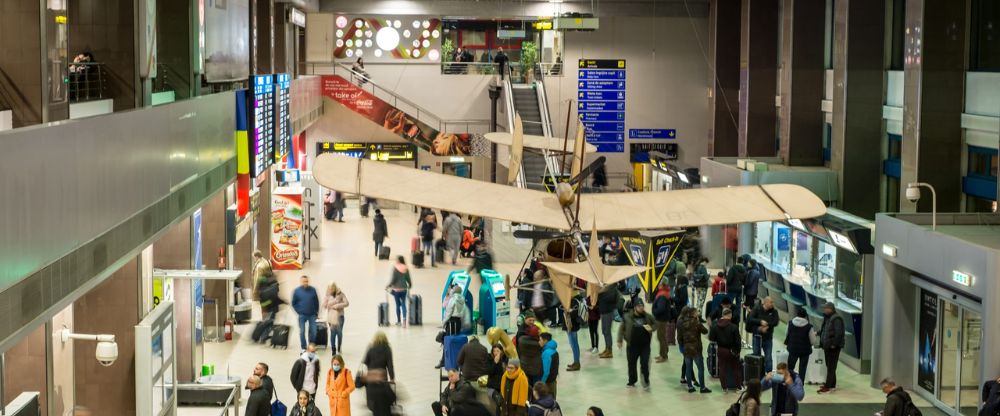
column 262, row 129
column 282, row 119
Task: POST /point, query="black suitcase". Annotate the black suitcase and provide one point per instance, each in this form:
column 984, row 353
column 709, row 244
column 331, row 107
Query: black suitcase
column 279, row 336
column 364, row 210
column 322, row 335
column 262, row 331
column 383, row 314
column 439, row 255
column 753, row 367
column 418, row 259
column 713, row 359
column 416, row 310
column 383, row 253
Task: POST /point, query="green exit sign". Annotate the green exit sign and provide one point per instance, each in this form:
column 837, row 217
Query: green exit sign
column 961, row 278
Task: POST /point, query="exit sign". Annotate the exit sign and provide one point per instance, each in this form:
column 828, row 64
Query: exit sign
column 961, row 278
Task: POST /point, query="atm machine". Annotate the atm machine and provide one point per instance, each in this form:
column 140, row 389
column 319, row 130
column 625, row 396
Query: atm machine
column 494, row 309
column 462, row 279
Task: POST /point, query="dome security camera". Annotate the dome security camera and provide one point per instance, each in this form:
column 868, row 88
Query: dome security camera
column 107, row 348
column 913, row 193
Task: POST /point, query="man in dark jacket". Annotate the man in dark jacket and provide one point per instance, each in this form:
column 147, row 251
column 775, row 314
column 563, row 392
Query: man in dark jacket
column 474, row 359
column 727, row 340
column 530, row 354
column 798, row 340
column 786, row 390
column 607, row 303
column 896, row 399
column 637, row 330
column 260, row 371
column 381, row 231
column 666, row 318
column 831, row 339
column 259, row 403
column 752, row 284
column 305, row 301
column 457, row 391
column 761, row 323
column 735, row 278
column 305, row 372
column 991, row 398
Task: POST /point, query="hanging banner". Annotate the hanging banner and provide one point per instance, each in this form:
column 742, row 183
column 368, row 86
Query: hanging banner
column 655, row 252
column 286, row 229
column 927, row 341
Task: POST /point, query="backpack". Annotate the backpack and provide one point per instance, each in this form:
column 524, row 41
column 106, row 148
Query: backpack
column 734, row 409
column 910, row 409
column 662, row 309
column 554, row 411
column 582, row 313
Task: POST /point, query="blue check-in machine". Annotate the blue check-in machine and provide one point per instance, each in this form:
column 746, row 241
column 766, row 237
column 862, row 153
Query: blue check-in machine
column 494, row 309
column 462, row 279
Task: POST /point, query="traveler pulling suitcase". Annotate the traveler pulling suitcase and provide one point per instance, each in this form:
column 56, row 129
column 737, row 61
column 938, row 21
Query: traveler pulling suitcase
column 383, row 253
column 416, row 310
column 262, row 331
column 816, row 369
column 279, row 336
column 713, row 359
column 322, row 335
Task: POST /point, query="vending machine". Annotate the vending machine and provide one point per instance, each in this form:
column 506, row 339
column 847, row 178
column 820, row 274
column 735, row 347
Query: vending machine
column 494, row 309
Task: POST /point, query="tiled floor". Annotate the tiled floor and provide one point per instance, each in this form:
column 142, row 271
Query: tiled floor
column 347, row 257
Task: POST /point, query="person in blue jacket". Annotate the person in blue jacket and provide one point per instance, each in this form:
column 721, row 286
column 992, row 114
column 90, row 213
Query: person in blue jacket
column 550, row 361
column 786, row 390
column 305, row 301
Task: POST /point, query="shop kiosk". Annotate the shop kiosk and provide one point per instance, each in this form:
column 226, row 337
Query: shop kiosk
column 494, row 309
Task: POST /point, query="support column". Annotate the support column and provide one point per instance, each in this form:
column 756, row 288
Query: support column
column 758, row 77
column 724, row 21
column 857, row 107
column 802, row 70
column 933, row 100
column 262, row 25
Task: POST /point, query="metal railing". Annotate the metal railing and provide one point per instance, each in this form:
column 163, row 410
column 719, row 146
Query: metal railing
column 231, row 403
column 365, row 82
column 469, row 68
column 551, row 162
column 553, row 69
column 87, row 81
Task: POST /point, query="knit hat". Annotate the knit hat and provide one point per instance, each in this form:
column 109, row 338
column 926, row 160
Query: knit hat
column 529, row 314
column 829, row 305
column 638, row 302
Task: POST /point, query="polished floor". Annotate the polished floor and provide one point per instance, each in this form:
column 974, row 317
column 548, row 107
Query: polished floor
column 347, row 257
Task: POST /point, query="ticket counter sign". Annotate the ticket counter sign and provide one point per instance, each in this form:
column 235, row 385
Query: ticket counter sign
column 286, row 229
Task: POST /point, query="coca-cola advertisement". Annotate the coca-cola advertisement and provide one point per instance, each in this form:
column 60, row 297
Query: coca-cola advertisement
column 399, row 122
column 286, row 229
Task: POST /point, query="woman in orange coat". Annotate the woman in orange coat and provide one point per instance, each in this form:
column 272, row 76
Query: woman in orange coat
column 339, row 386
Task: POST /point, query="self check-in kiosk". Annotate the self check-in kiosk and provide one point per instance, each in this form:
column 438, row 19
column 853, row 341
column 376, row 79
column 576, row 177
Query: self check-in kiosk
column 462, row 279
column 494, row 309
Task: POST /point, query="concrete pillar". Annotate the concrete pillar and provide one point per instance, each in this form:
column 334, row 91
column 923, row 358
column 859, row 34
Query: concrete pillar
column 758, row 77
column 213, row 237
column 802, row 70
column 933, row 100
column 724, row 21
column 857, row 106
column 110, row 308
column 262, row 27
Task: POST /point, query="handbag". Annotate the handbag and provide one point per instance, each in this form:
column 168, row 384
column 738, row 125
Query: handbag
column 278, row 408
column 734, row 409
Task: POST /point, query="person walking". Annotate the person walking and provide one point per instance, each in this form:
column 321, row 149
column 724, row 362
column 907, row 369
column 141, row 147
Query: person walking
column 574, row 321
column 454, row 311
column 398, row 286
column 690, row 330
column 259, row 402
column 543, row 401
column 483, row 259
column 831, row 340
column 427, row 228
column 379, row 356
column 727, row 340
column 381, row 231
column 338, row 206
column 339, row 386
column 335, row 302
column 474, row 360
column 761, row 323
column 786, row 390
column 799, row 341
column 607, row 304
column 452, row 230
column 550, row 361
column 379, row 394
column 666, row 322
column 700, row 283
column 304, row 405
column 637, row 330
column 305, row 372
column 750, row 399
column 514, row 390
column 897, row 400
column 501, row 60
column 593, row 323
column 261, row 272
column 305, row 301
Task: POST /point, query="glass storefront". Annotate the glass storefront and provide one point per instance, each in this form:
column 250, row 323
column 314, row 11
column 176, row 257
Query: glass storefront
column 949, row 342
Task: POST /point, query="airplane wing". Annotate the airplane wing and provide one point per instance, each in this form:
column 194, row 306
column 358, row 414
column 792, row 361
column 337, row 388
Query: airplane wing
column 694, row 207
column 434, row 190
column 576, row 164
column 611, row 274
column 537, row 142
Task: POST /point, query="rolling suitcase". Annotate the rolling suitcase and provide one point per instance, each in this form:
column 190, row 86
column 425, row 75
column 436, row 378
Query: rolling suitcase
column 262, row 331
column 241, row 312
column 383, row 253
column 364, row 210
column 322, row 335
column 753, row 367
column 383, row 314
column 416, row 310
column 418, row 259
column 816, row 368
column 415, row 244
column 279, row 336
column 713, row 359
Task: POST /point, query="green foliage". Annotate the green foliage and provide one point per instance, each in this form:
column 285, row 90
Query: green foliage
column 447, row 51
column 529, row 56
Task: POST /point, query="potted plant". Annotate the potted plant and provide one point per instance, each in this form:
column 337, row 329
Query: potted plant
column 447, row 55
column 529, row 57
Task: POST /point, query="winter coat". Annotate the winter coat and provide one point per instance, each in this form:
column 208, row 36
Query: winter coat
column 735, row 277
column 474, row 360
column 339, row 389
column 380, row 356
column 381, row 231
column 662, row 307
column 607, row 300
column 334, row 306
column 726, row 335
column 455, row 307
column 482, row 261
column 497, row 370
column 895, row 402
column 517, row 394
column 632, row 329
column 797, row 338
column 310, row 410
column 749, row 406
column 299, row 372
column 452, row 229
column 380, row 398
column 462, row 392
column 700, row 277
column 427, row 230
column 530, row 354
column 305, row 301
column 543, row 404
column 760, row 314
column 831, row 334
column 690, row 330
column 400, row 278
column 259, row 403
column 751, row 285
column 680, row 297
column 793, row 395
column 467, row 239
column 550, row 362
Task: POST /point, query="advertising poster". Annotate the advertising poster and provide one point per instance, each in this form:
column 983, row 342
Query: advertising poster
column 395, row 120
column 654, row 252
column 378, row 39
column 286, row 229
column 927, row 339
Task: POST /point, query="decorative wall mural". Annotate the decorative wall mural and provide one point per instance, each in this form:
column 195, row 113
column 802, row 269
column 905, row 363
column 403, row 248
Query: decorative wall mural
column 388, row 38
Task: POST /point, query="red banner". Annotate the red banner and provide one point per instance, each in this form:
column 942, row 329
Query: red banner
column 406, row 126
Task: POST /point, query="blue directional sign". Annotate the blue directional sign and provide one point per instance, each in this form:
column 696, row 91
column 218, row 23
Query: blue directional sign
column 652, row 133
column 601, row 107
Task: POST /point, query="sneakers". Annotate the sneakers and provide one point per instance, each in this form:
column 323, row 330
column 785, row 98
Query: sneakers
column 825, row 389
column 704, row 390
column 645, row 385
column 606, row 354
column 690, row 389
column 573, row 367
column 661, row 359
column 594, row 350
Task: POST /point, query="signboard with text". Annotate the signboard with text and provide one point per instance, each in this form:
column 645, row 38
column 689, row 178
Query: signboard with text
column 601, row 102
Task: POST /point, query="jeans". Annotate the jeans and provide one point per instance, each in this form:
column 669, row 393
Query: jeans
column 428, row 247
column 768, row 343
column 803, row 361
column 689, row 363
column 832, row 357
column 606, row 321
column 594, row 329
column 699, row 297
column 336, row 334
column 378, row 246
column 303, row 320
column 338, row 214
column 454, row 248
column 400, row 297
column 637, row 354
column 574, row 345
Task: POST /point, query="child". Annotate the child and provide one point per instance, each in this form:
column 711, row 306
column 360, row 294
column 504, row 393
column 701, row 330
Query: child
column 719, row 283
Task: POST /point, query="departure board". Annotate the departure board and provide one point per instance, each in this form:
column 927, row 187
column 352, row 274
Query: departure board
column 262, row 130
column 282, row 119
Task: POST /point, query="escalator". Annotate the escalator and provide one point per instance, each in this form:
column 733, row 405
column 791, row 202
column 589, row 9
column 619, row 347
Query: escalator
column 526, row 104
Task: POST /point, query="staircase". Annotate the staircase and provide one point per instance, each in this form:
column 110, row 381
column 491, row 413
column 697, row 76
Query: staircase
column 526, row 104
